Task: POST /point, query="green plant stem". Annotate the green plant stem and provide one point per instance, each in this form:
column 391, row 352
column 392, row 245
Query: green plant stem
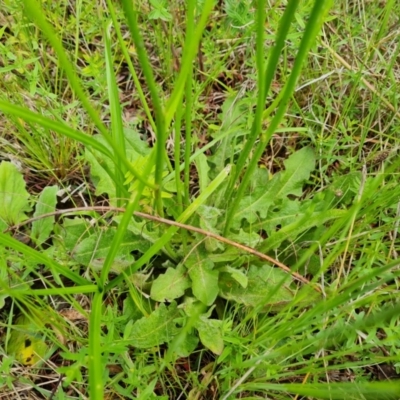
column 132, row 70
column 41, row 258
column 116, row 118
column 189, row 102
column 123, row 225
column 189, row 53
column 177, row 161
column 167, row 236
column 311, row 31
column 96, row 368
column 131, row 18
column 264, row 81
column 65, row 130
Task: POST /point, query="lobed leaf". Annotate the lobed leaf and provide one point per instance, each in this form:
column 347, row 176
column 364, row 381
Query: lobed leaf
column 261, row 289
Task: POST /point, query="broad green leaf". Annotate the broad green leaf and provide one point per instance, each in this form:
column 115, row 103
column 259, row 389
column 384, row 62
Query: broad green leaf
column 255, row 206
column 27, row 343
column 102, row 168
column 185, row 345
column 230, row 254
column 236, row 119
column 192, row 307
column 262, row 281
column 93, row 249
column 171, row 285
column 204, row 279
column 99, row 167
column 4, row 278
column 15, row 270
column 303, row 223
column 144, row 229
column 139, row 164
column 73, row 231
column 13, row 195
column 130, row 310
column 251, row 239
column 237, row 274
column 158, row 328
column 287, row 212
column 210, row 332
column 42, row 228
column 134, row 144
column 298, row 168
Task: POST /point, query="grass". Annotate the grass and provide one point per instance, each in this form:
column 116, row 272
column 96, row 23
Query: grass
column 199, row 202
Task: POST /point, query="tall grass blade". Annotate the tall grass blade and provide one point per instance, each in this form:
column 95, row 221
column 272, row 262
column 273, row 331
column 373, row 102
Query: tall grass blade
column 117, row 131
column 313, row 26
column 131, row 18
column 265, row 78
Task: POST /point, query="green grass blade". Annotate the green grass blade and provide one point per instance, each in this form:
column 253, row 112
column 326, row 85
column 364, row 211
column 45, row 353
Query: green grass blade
column 41, row 258
column 131, row 19
column 56, row 126
column 123, row 225
column 189, row 103
column 189, row 53
column 265, row 79
column 167, row 236
column 334, row 391
column 313, row 26
column 83, row 289
column 130, row 65
column 65, row 130
column 34, row 12
column 117, row 131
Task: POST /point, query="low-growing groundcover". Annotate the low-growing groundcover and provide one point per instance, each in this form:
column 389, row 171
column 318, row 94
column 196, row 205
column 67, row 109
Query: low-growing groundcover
column 199, row 200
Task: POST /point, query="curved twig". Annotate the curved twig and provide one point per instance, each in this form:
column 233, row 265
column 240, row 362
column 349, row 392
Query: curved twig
column 191, row 228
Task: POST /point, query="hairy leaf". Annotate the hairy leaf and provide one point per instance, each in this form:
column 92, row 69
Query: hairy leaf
column 262, row 282
column 158, row 328
column 237, row 274
column 251, row 239
column 255, row 207
column 210, row 332
column 102, row 168
column 171, row 285
column 208, row 218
